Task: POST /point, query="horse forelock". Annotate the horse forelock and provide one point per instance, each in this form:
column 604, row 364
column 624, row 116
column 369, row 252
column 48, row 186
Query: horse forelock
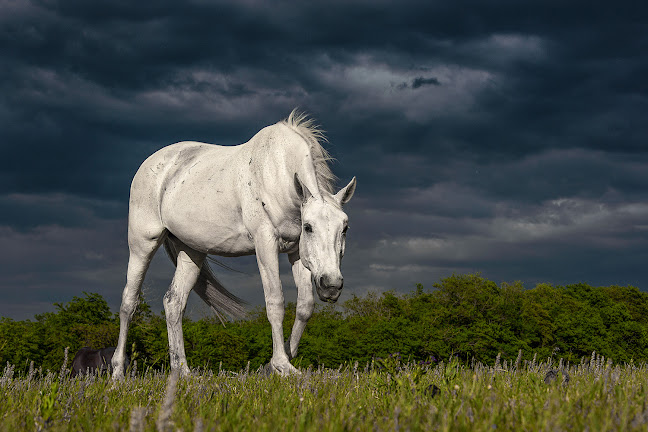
column 314, row 136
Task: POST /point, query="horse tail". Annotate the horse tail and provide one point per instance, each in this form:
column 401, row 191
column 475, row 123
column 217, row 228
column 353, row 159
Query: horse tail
column 217, row 297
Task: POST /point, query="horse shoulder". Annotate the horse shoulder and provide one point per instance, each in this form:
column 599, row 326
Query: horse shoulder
column 266, row 188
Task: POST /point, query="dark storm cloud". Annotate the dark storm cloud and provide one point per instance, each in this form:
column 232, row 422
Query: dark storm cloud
column 504, row 137
column 27, row 211
column 420, row 82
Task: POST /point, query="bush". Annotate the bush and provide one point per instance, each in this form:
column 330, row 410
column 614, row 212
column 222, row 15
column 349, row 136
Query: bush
column 466, row 316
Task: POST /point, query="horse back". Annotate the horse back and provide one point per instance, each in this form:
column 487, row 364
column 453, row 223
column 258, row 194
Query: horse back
column 225, row 191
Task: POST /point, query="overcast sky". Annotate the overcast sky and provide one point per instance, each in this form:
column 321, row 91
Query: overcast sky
column 503, row 137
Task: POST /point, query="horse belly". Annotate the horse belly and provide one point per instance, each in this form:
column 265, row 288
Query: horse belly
column 223, row 243
column 207, row 226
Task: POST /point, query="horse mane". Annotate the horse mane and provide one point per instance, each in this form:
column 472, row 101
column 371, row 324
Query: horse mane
column 305, row 127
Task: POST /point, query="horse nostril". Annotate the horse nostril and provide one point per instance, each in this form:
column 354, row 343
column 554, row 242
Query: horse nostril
column 321, row 282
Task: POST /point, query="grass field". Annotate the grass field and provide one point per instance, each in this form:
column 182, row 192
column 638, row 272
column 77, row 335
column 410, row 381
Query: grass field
column 387, row 395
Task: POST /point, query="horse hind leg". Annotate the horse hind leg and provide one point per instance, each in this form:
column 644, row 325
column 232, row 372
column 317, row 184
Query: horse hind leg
column 188, row 265
column 142, row 248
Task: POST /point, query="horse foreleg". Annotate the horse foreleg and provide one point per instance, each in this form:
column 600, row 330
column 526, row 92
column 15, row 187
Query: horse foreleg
column 305, row 303
column 189, row 263
column 267, row 252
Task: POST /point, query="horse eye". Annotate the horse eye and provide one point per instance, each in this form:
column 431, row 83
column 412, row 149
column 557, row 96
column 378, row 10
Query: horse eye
column 308, row 228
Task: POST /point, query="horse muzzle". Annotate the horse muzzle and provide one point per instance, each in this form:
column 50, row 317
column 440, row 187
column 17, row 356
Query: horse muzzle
column 329, row 288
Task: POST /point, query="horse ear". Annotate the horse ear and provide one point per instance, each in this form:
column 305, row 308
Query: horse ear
column 345, row 194
column 303, row 191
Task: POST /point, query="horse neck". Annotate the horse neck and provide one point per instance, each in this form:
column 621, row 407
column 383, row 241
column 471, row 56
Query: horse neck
column 305, row 168
column 288, row 146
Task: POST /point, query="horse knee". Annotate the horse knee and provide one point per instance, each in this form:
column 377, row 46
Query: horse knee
column 275, row 310
column 127, row 309
column 305, row 311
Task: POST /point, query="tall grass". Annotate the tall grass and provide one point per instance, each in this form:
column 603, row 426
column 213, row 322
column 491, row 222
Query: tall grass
column 388, row 394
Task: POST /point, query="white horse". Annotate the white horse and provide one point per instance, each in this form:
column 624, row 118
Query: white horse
column 271, row 195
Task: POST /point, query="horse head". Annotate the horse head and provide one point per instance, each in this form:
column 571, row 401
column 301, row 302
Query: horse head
column 323, row 236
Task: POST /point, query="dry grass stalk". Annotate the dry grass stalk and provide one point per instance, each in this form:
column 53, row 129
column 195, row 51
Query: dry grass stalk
column 163, row 422
column 137, row 417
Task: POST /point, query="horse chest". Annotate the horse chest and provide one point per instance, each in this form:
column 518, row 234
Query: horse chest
column 289, row 233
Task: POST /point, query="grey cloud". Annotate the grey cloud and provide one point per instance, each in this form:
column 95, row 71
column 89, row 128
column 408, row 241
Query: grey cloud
column 510, row 108
column 558, row 242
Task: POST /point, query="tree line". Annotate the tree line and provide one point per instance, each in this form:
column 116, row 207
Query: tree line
column 466, row 316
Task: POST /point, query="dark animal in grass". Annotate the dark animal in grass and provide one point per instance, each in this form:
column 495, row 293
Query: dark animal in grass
column 552, row 374
column 91, row 360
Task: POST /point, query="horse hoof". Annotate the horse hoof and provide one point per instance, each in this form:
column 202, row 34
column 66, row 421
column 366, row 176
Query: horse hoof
column 282, row 369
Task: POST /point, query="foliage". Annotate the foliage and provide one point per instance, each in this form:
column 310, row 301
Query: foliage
column 464, row 316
